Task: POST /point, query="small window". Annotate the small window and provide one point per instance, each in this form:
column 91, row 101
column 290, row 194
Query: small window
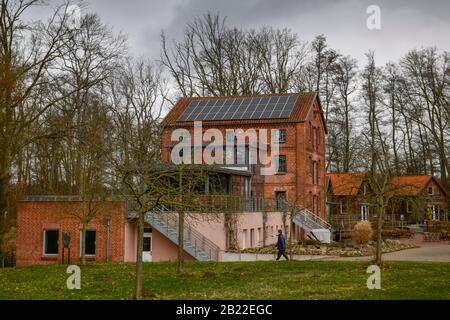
column 51, row 241
column 282, row 136
column 318, row 172
column 343, row 206
column 408, row 207
column 310, row 132
column 314, row 172
column 281, row 164
column 431, row 191
column 91, row 236
column 280, row 197
column 310, row 166
column 364, row 213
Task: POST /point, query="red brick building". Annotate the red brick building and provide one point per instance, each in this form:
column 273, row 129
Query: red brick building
column 41, row 224
column 301, row 142
column 300, row 126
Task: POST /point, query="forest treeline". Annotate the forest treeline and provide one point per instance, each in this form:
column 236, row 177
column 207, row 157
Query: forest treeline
column 75, row 104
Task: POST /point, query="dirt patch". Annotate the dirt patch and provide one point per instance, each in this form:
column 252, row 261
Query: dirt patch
column 148, row 294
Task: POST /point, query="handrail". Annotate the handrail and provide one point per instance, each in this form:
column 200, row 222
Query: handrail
column 195, row 238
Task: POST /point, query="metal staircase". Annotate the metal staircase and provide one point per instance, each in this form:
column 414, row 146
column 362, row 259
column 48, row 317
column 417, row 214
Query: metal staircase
column 312, row 224
column 198, row 246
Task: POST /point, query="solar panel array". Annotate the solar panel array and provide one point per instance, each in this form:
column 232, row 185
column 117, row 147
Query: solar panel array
column 274, row 107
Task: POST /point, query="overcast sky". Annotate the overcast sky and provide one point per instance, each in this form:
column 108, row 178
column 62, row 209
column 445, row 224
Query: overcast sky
column 405, row 24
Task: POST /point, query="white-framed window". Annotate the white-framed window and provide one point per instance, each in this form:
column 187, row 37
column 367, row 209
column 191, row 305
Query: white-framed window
column 364, row 212
column 91, row 239
column 51, row 242
column 435, row 209
column 431, row 191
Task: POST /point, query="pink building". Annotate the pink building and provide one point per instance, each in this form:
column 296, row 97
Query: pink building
column 112, row 236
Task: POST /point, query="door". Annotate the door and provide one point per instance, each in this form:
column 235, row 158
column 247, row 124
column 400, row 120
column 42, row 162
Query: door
column 147, row 249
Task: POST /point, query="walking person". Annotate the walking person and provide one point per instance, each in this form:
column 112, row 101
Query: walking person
column 281, row 245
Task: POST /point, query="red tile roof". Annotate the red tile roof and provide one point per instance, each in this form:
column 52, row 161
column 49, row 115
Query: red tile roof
column 299, row 114
column 412, row 185
column 346, row 184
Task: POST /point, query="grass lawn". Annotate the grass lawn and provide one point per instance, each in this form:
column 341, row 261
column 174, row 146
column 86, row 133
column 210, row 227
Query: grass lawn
column 243, row 280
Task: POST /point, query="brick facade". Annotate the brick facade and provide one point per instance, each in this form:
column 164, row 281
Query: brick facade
column 33, row 218
column 304, row 150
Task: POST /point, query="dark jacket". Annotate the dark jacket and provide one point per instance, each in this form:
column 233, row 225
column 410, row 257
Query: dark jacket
column 281, row 244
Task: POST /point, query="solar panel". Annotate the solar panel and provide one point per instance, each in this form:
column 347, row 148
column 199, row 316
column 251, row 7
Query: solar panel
column 274, row 107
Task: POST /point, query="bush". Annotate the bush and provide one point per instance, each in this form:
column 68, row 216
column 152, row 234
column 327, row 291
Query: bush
column 362, row 233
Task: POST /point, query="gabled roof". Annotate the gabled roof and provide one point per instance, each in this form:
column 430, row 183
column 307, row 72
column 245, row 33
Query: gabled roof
column 346, row 184
column 301, row 110
column 413, row 185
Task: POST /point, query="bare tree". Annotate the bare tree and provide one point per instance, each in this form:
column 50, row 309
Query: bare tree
column 136, row 101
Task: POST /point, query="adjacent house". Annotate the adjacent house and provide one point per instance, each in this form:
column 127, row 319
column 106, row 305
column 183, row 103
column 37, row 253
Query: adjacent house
column 414, row 200
column 419, row 199
column 255, row 201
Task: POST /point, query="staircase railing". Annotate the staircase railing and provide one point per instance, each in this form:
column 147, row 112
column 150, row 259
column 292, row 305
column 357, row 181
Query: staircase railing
column 195, row 243
column 309, row 221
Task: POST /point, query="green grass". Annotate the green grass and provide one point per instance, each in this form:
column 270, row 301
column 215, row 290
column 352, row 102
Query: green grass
column 244, row 280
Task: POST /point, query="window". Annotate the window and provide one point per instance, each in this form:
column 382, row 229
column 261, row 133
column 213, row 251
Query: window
column 252, row 238
column 431, row 191
column 315, row 205
column 282, row 136
column 318, row 137
column 313, row 133
column 280, row 197
column 436, row 212
column 364, row 212
column 315, row 176
column 310, row 132
column 408, row 207
column 318, row 172
column 344, row 207
column 258, row 237
column 90, row 242
column 310, row 166
column 281, row 164
column 51, row 240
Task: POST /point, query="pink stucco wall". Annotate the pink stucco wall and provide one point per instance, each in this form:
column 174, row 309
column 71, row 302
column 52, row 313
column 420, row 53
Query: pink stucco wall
column 130, row 242
column 249, row 234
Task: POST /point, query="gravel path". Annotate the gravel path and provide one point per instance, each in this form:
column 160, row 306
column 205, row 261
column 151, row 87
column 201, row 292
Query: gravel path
column 433, row 252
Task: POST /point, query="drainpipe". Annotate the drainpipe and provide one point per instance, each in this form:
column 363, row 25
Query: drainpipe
column 107, row 222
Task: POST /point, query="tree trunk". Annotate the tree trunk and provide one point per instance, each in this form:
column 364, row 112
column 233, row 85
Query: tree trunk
column 181, row 242
column 379, row 250
column 139, row 263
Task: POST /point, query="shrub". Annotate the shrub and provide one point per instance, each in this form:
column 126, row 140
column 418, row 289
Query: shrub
column 362, row 233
